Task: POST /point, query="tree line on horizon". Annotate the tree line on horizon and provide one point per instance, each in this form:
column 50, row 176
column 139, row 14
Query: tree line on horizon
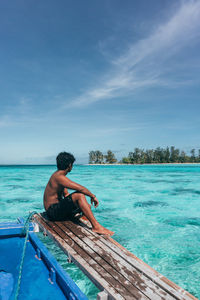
column 141, row 156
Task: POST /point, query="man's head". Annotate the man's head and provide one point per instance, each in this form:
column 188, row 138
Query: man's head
column 65, row 160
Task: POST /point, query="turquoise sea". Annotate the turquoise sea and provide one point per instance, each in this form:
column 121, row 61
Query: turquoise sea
column 154, row 211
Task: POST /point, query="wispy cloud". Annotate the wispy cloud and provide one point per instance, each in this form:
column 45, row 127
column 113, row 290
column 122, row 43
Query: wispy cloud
column 111, row 131
column 147, row 62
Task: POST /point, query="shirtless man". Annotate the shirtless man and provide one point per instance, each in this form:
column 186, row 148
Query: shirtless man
column 60, row 205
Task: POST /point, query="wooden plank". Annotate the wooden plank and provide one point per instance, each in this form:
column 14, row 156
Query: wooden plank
column 109, row 279
column 102, row 259
column 88, row 254
column 167, row 285
column 164, row 287
column 145, row 285
column 158, row 278
column 78, row 260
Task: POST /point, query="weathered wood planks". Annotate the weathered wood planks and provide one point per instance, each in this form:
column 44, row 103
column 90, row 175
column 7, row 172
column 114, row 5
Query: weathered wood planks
column 110, row 266
column 118, row 264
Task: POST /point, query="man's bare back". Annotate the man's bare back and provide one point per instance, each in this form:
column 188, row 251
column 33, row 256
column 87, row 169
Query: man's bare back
column 57, row 199
column 53, row 191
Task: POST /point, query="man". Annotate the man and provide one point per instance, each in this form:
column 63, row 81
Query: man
column 60, row 205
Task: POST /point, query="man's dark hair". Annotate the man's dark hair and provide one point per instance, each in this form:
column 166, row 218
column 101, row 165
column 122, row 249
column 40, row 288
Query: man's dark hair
column 64, row 159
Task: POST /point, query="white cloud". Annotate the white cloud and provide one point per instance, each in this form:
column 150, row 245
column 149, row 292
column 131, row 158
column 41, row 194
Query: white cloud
column 146, row 62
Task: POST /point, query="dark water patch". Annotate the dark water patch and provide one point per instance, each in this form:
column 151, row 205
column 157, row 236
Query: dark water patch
column 159, row 181
column 186, row 259
column 175, row 175
column 18, row 200
column 183, row 221
column 185, row 180
column 149, row 203
column 184, row 191
column 104, row 210
column 18, row 179
column 88, row 173
column 14, row 186
column 187, row 256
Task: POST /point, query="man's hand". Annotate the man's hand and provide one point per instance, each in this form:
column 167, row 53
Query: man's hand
column 95, row 201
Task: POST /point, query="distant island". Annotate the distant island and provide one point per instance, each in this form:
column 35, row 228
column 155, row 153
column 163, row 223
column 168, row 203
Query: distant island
column 149, row 156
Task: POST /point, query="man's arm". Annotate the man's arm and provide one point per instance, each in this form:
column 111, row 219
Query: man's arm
column 67, row 183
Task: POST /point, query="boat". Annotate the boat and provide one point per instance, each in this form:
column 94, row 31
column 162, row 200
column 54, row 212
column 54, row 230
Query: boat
column 28, row 270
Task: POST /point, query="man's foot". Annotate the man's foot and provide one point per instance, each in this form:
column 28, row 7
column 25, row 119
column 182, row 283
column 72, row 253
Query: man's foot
column 102, row 230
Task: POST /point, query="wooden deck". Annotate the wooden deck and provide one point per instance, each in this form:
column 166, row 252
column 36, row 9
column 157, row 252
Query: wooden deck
column 114, row 270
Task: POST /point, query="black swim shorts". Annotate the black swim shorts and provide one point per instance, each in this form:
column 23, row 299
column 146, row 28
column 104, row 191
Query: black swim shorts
column 63, row 210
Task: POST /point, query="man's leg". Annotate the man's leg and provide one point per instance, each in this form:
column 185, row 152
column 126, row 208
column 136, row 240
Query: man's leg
column 80, row 200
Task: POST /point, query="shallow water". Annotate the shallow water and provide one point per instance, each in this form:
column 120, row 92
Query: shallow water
column 154, row 211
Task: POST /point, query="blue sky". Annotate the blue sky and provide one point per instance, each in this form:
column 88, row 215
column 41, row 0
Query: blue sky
column 87, row 75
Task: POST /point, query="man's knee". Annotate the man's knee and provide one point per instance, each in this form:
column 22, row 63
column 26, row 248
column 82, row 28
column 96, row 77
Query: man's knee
column 80, row 197
column 77, row 197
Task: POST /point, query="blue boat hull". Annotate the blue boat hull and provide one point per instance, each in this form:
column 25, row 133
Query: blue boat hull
column 42, row 276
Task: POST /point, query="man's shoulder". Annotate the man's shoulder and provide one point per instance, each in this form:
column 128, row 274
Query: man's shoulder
column 57, row 176
column 54, row 176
